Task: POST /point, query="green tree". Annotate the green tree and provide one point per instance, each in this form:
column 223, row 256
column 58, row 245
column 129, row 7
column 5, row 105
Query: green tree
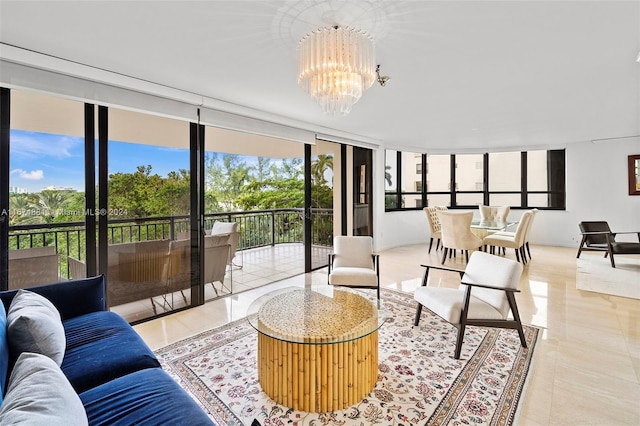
column 319, row 167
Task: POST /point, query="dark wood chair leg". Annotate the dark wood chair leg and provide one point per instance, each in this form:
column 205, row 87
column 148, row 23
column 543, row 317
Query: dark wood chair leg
column 418, row 312
column 517, row 255
column 584, row 239
column 444, row 256
column 516, row 317
column 459, row 340
column 466, row 255
column 430, row 244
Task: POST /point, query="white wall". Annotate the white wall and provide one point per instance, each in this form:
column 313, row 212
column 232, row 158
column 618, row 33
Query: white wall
column 596, row 190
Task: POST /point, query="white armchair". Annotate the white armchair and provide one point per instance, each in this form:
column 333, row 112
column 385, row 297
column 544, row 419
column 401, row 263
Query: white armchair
column 353, row 263
column 484, row 298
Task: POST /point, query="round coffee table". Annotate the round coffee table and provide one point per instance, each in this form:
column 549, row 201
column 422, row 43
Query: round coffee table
column 317, row 351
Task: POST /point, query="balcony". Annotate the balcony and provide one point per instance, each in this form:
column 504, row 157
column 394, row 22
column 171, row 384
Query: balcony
column 270, row 248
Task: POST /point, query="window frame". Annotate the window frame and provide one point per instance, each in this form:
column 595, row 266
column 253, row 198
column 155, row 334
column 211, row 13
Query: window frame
column 556, row 184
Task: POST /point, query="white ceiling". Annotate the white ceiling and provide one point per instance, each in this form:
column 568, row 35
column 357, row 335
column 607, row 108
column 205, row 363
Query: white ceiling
column 465, row 76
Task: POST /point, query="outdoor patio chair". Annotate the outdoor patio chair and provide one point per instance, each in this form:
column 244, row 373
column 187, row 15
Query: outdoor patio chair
column 484, row 298
column 231, row 229
column 216, row 254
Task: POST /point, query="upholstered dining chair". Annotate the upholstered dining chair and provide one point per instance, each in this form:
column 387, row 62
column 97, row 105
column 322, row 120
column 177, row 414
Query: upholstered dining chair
column 456, row 233
column 597, row 236
column 514, row 241
column 484, row 298
column 435, row 230
column 494, row 213
column 527, row 232
column 354, row 264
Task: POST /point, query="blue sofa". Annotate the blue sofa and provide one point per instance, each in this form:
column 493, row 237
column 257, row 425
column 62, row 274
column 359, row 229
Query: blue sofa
column 114, row 373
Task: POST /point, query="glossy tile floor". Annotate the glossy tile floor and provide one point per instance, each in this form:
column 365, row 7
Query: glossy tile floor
column 586, row 368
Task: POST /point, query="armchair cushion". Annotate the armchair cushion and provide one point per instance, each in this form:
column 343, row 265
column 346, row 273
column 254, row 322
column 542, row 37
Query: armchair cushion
column 34, row 325
column 354, row 252
column 484, row 268
column 355, row 277
column 447, row 303
column 625, row 248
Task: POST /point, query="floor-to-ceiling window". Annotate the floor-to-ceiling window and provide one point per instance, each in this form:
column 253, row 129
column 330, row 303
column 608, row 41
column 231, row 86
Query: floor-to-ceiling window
column 257, row 183
column 149, row 252
column 46, row 212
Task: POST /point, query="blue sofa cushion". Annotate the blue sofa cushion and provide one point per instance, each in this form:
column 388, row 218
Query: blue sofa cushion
column 39, row 394
column 102, row 346
column 4, row 351
column 146, row 397
column 34, row 325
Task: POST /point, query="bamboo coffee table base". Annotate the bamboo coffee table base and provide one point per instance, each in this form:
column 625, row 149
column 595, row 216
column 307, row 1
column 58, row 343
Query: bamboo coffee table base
column 318, row 377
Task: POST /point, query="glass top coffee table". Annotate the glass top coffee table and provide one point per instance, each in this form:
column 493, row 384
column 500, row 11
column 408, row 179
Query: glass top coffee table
column 317, row 348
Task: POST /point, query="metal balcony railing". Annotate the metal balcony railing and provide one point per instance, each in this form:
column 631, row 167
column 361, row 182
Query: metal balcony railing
column 258, row 228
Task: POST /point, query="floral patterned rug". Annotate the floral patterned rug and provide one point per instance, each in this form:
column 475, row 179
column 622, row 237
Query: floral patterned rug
column 419, row 382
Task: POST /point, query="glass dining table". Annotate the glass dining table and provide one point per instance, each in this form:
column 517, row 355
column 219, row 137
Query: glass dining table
column 482, row 228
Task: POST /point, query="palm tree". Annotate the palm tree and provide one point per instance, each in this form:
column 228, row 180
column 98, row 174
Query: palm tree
column 319, row 166
column 49, row 203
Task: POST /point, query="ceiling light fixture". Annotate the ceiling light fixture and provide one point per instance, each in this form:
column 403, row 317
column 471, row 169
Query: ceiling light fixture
column 335, row 65
column 382, row 79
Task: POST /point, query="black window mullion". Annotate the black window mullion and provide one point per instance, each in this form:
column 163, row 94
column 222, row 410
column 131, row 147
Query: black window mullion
column 398, row 179
column 485, row 177
column 452, row 183
column 5, row 130
column 524, row 193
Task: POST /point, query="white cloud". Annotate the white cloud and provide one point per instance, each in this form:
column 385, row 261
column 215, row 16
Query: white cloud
column 33, row 145
column 32, row 175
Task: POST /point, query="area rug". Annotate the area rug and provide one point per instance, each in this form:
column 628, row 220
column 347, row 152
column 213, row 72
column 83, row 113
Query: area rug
column 594, row 273
column 419, row 382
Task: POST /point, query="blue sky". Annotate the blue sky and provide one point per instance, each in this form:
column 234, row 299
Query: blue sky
column 39, row 160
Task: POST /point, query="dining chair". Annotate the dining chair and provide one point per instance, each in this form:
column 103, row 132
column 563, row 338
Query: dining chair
column 514, row 241
column 494, row 213
column 484, row 298
column 353, row 263
column 527, row 232
column 435, row 230
column 456, row 233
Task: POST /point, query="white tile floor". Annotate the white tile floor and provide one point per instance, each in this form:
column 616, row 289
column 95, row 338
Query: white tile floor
column 586, row 364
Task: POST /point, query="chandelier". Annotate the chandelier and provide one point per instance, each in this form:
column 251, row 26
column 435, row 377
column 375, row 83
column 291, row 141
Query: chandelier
column 335, row 65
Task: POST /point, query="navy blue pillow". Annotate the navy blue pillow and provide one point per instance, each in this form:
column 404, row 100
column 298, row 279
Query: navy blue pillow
column 4, row 351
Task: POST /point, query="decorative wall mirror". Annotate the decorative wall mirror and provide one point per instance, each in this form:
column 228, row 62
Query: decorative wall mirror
column 634, row 175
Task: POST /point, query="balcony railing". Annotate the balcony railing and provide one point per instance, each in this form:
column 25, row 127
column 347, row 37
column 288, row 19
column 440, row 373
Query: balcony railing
column 258, row 228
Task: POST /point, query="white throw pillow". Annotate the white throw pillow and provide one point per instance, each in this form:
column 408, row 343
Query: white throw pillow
column 34, row 325
column 38, row 393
